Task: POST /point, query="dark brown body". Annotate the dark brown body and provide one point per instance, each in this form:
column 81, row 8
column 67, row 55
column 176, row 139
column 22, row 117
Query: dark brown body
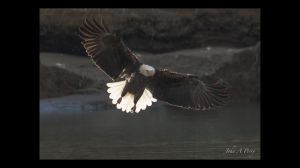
column 136, row 86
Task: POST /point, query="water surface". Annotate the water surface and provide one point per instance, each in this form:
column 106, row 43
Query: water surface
column 89, row 127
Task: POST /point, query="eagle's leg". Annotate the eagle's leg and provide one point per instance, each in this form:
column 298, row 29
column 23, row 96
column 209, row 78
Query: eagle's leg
column 125, row 89
column 123, row 93
column 119, row 100
column 136, row 99
column 133, row 108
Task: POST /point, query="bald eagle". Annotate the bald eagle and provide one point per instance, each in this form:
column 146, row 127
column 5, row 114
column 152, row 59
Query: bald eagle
column 136, row 85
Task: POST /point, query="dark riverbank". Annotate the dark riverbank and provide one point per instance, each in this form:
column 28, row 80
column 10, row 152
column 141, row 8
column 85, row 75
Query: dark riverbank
column 153, row 30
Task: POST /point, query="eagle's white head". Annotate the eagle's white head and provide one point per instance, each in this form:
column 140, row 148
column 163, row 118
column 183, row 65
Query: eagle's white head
column 147, row 70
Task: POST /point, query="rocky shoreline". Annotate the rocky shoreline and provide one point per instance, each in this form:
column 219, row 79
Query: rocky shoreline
column 153, row 30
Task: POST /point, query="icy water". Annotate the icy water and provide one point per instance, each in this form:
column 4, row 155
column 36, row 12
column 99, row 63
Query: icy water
column 89, row 127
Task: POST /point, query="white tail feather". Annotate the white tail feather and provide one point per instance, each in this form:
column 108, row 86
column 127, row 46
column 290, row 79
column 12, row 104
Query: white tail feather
column 114, row 101
column 127, row 102
column 146, row 99
column 115, row 89
column 150, row 95
column 149, row 102
column 113, row 84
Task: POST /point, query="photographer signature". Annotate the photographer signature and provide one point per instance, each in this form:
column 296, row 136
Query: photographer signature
column 239, row 150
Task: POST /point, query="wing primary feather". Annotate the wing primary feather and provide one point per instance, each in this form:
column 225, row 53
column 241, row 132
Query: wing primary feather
column 204, row 96
column 86, row 45
column 222, row 93
column 217, row 101
column 88, row 27
column 201, row 99
column 97, row 25
column 94, row 27
column 212, row 99
column 104, row 26
column 90, row 46
column 85, row 34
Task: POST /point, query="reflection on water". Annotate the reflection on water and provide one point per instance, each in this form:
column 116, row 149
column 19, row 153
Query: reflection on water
column 88, row 127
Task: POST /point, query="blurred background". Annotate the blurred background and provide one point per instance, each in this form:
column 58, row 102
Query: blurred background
column 78, row 121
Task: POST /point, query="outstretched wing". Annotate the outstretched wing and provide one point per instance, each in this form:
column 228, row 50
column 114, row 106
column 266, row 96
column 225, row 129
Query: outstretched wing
column 187, row 91
column 107, row 51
